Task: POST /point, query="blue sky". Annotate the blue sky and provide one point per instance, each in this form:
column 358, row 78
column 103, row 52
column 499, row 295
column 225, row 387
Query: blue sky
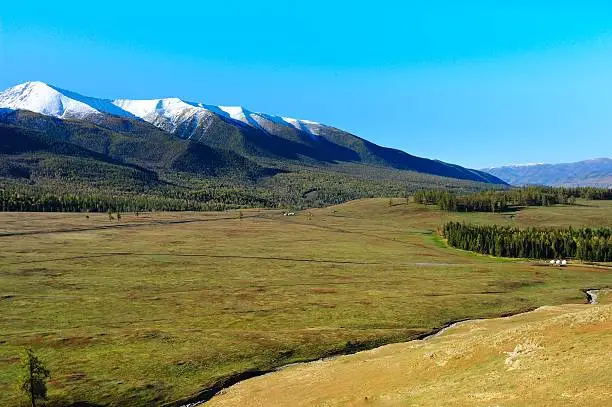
column 476, row 83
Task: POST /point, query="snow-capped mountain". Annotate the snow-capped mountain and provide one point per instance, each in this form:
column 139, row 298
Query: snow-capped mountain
column 51, row 101
column 262, row 137
column 169, row 114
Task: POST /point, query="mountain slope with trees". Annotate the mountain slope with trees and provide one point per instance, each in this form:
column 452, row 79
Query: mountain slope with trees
column 258, row 136
column 87, row 154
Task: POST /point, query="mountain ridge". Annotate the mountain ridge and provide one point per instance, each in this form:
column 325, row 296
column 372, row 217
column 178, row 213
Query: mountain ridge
column 47, row 99
column 257, row 136
column 596, row 172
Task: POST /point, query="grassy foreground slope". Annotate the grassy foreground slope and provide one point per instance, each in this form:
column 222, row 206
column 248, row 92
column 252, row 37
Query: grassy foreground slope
column 553, row 356
column 159, row 306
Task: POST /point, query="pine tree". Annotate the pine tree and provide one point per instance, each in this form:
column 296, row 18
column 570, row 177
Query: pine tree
column 33, row 382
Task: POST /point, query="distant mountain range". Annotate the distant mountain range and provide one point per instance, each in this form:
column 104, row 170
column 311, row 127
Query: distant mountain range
column 596, row 173
column 201, row 137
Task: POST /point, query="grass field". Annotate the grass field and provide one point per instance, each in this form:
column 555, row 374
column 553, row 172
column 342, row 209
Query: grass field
column 160, row 306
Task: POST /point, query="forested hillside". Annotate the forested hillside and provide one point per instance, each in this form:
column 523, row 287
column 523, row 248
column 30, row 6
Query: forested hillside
column 118, row 164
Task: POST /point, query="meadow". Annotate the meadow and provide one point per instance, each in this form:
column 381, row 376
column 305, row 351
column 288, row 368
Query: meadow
column 154, row 308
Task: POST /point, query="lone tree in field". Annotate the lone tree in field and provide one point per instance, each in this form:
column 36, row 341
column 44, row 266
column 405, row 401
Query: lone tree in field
column 34, row 377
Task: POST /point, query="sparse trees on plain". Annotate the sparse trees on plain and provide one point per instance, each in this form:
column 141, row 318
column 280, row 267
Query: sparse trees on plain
column 33, row 382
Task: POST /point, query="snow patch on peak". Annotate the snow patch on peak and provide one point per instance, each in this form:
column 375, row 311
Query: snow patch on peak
column 168, row 113
column 41, row 98
column 48, row 100
column 516, row 166
column 240, row 114
column 307, row 126
column 142, row 108
column 525, row 165
column 258, row 120
column 234, row 111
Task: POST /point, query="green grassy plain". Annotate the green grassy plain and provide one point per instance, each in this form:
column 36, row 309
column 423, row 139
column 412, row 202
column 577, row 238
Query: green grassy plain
column 160, row 306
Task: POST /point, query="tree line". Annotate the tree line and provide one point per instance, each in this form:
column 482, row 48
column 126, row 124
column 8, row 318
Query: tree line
column 502, row 200
column 31, row 199
column 591, row 244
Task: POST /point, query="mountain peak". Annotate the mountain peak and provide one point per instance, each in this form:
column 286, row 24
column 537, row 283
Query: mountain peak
column 33, row 84
column 166, row 113
column 41, row 98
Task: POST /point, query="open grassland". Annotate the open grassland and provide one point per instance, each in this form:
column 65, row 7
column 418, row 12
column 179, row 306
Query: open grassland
column 156, row 307
column 553, row 356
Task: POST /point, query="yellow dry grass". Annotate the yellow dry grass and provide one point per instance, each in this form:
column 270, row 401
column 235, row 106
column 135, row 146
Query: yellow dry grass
column 553, row 356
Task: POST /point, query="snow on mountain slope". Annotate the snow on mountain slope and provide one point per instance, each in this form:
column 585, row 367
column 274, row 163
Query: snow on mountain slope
column 264, row 121
column 304, row 125
column 169, row 114
column 41, row 98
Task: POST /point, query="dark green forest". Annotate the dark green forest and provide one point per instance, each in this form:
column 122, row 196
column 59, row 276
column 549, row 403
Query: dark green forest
column 55, row 185
column 503, row 200
column 590, row 244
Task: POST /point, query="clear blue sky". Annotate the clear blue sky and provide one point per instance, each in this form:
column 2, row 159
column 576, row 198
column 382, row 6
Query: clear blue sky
column 476, row 83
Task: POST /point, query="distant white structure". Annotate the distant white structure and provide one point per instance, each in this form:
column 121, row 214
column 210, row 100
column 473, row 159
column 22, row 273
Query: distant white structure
column 289, row 213
column 552, row 262
column 564, row 262
column 559, row 263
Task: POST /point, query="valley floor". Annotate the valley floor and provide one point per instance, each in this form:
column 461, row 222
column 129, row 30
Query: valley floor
column 157, row 307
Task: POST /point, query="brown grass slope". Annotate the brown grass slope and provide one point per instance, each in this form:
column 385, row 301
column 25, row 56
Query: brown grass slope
column 553, row 356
